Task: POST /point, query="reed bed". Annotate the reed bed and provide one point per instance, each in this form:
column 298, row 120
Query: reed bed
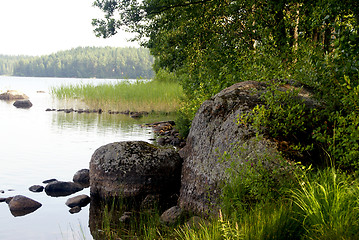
column 125, row 95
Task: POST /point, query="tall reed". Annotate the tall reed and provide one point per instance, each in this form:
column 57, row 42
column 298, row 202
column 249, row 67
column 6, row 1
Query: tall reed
column 125, row 95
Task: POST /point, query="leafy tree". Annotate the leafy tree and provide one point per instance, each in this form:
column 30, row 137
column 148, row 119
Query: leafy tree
column 211, row 44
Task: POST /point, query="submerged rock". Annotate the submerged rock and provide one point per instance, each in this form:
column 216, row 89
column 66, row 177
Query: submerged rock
column 21, row 205
column 50, row 180
column 75, row 209
column 36, row 188
column 60, row 189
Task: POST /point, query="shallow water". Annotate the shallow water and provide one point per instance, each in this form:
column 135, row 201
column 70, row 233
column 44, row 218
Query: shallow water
column 36, row 145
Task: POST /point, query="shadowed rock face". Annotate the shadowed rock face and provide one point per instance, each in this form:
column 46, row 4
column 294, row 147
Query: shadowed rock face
column 134, row 169
column 214, row 131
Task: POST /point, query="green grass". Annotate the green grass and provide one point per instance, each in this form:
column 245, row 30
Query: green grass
column 325, row 205
column 328, row 205
column 138, row 96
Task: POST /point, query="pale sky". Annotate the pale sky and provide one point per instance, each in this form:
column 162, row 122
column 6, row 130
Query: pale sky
column 39, row 27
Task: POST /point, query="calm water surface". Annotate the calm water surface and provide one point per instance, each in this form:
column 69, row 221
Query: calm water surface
column 36, row 145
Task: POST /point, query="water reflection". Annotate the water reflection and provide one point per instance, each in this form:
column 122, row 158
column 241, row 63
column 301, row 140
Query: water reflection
column 38, row 145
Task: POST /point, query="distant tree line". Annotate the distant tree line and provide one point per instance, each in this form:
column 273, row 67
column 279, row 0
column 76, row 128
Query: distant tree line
column 82, row 62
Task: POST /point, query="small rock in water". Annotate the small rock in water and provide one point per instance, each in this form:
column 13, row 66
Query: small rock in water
column 36, row 188
column 2, row 191
column 2, row 199
column 75, row 209
column 23, row 104
column 82, row 177
column 60, row 189
column 21, row 205
column 50, row 180
column 81, row 201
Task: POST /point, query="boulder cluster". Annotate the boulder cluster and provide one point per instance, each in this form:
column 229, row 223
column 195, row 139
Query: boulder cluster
column 19, row 98
column 167, row 134
column 20, row 205
column 193, row 173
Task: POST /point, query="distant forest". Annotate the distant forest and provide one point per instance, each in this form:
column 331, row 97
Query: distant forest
column 82, row 62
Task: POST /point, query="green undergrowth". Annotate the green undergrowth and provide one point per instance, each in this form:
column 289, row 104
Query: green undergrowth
column 133, row 96
column 319, row 204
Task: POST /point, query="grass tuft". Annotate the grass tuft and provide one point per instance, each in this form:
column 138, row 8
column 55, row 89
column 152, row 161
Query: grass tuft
column 125, row 95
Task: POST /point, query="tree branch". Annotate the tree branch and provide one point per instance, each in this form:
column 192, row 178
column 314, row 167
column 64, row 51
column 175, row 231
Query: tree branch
column 185, row 4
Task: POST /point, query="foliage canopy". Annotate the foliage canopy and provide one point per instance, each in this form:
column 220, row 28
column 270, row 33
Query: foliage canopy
column 211, row 44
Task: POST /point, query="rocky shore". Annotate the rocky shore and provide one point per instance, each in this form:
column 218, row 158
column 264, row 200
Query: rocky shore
column 20, row 205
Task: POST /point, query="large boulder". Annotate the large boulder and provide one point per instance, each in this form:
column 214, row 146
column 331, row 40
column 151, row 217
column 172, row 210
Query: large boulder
column 13, row 95
column 23, row 104
column 21, row 205
column 213, row 132
column 134, row 169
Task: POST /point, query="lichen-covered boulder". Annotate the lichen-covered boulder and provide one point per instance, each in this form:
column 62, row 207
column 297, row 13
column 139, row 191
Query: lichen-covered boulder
column 213, row 132
column 12, row 95
column 134, row 169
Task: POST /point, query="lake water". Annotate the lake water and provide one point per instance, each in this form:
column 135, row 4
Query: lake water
column 36, row 145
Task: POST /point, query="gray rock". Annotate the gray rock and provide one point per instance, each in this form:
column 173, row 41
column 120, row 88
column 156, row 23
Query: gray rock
column 23, row 104
column 75, row 209
column 2, row 199
column 81, row 201
column 13, row 95
column 60, row 189
column 2, row 191
column 21, row 205
column 213, row 132
column 82, row 177
column 36, row 188
column 134, row 169
column 150, row 202
column 126, row 217
column 50, row 180
column 172, row 215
